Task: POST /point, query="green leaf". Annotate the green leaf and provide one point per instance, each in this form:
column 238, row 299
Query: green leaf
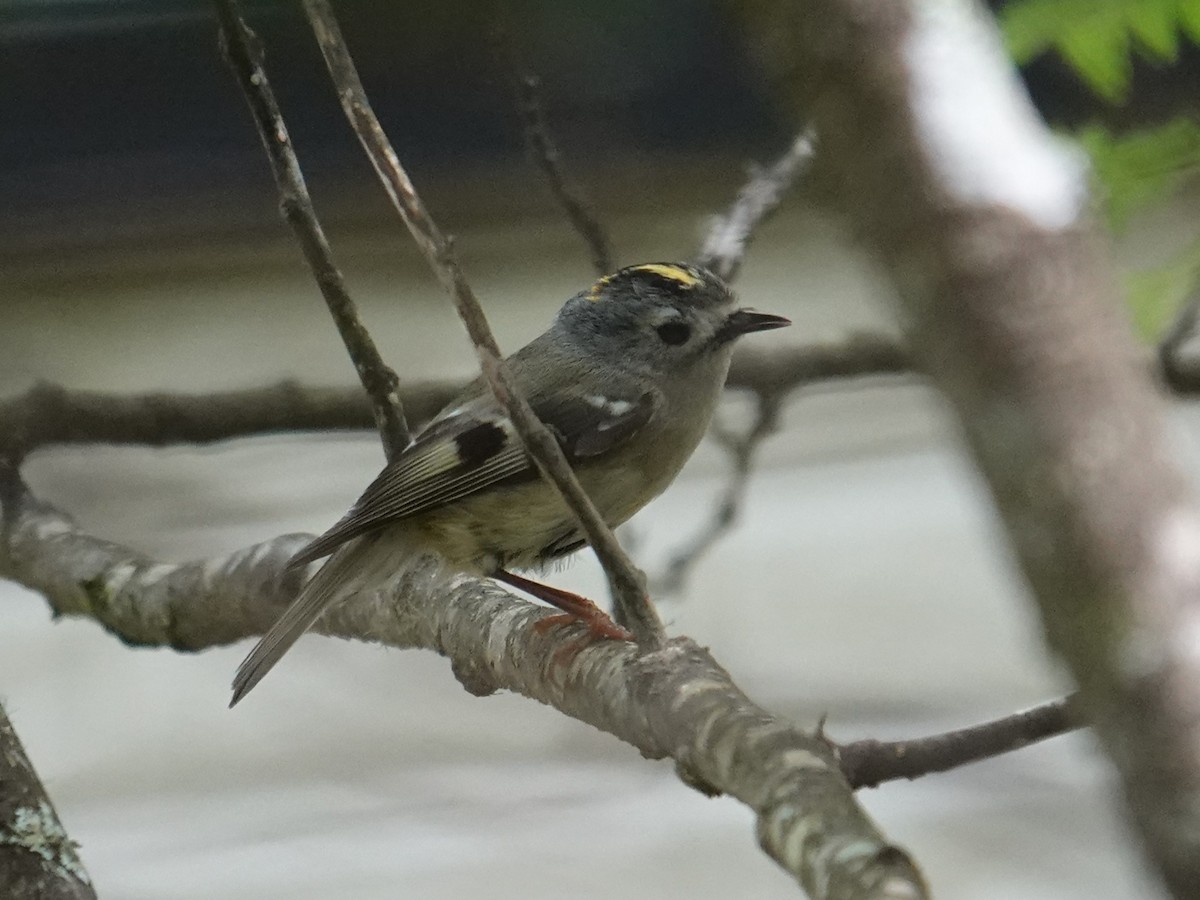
column 1027, row 30
column 1100, row 53
column 1156, row 27
column 1189, row 20
column 1097, row 37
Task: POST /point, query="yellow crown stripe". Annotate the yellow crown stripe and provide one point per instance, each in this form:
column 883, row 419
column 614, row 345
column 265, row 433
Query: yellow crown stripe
column 675, row 273
column 594, row 293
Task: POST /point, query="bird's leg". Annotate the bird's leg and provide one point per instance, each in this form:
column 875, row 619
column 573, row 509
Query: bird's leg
column 576, row 607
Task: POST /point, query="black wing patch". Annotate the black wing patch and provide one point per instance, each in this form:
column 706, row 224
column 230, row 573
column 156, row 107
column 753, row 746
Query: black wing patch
column 474, row 448
column 479, row 443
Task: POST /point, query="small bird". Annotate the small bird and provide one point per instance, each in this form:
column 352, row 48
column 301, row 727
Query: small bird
column 626, row 378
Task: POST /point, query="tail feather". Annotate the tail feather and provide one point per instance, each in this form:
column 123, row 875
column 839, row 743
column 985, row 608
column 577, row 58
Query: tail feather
column 346, row 572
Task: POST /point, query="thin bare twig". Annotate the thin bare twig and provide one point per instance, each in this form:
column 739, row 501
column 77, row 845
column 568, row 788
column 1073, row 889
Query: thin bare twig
column 783, row 368
column 741, row 449
column 723, row 249
column 543, row 150
column 49, row 415
column 869, row 763
column 627, row 583
column 245, row 56
column 569, row 196
column 772, row 375
column 729, row 235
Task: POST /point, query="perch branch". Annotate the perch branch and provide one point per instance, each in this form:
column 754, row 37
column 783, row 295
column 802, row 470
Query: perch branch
column 627, row 584
column 674, row 701
column 244, row 54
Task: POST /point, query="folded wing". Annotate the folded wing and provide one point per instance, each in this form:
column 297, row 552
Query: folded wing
column 473, row 447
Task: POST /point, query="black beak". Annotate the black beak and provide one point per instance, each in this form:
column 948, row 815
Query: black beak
column 744, row 321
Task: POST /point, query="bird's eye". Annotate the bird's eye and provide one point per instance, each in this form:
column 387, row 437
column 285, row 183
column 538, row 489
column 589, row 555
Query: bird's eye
column 675, row 333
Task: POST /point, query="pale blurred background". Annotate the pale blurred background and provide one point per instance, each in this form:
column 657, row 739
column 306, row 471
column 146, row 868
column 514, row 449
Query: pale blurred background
column 868, row 580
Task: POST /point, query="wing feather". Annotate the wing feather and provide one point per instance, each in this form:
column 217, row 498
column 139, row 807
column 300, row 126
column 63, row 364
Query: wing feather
column 474, row 447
